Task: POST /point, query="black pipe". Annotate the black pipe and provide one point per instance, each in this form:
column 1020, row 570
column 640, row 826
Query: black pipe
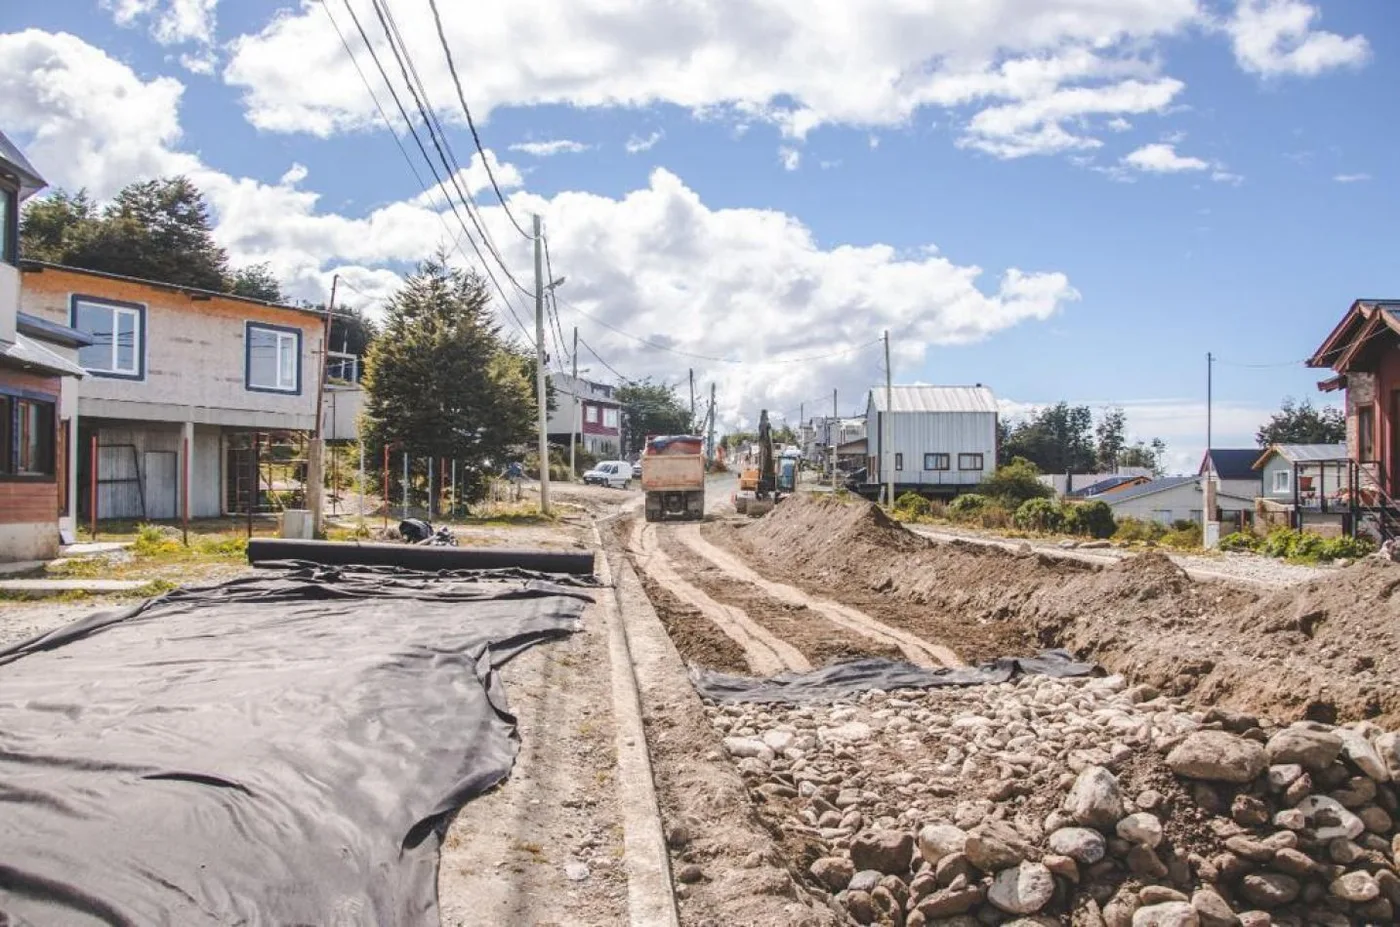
column 415, row 557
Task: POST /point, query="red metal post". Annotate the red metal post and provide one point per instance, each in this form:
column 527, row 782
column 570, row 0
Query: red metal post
column 93, row 492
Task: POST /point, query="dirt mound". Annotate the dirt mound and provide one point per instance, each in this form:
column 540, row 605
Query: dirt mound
column 810, row 526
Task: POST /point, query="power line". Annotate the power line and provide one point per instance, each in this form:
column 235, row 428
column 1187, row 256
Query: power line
column 461, row 97
column 620, row 376
column 408, row 122
column 553, row 305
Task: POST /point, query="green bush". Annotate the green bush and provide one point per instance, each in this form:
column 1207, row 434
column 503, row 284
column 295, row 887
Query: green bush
column 1015, row 483
column 911, row 505
column 1094, row 519
column 967, row 505
column 152, row 541
column 1239, row 541
column 1138, row 529
column 1187, row 538
column 1041, row 515
column 994, row 517
column 1184, row 524
column 1278, row 543
column 1307, row 547
column 1347, row 548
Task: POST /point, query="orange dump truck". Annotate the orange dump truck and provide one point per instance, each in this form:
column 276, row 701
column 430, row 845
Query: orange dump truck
column 673, row 477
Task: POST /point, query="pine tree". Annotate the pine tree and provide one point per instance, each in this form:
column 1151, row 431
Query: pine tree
column 256, row 281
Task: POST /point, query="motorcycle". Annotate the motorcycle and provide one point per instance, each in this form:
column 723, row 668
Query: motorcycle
column 418, row 532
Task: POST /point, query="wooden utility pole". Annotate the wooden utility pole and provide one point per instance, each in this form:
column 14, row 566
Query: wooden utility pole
column 573, row 412
column 692, row 397
column 315, row 452
column 710, row 436
column 887, row 431
column 540, row 387
column 833, row 434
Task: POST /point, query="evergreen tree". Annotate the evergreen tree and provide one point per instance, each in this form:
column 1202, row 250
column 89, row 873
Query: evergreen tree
column 52, row 227
column 1302, row 423
column 256, row 281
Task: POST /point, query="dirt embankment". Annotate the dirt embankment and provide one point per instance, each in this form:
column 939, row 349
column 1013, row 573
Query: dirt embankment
column 1327, row 650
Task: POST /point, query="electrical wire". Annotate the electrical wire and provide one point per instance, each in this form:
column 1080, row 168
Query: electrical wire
column 471, row 124
column 408, row 122
column 623, row 377
column 553, row 304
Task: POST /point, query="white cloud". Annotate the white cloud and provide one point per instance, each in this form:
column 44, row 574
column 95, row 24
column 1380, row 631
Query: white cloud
column 295, row 175
column 1031, row 65
column 791, row 158
column 1119, row 124
column 474, row 179
column 1160, row 158
column 1223, row 176
column 874, row 142
column 1352, row 178
column 1276, row 37
column 172, row 22
column 637, row 143
column 547, row 149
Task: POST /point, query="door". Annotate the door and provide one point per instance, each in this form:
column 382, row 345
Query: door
column 1392, row 466
column 161, row 482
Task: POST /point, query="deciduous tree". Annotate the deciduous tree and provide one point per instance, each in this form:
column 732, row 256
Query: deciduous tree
column 1301, row 423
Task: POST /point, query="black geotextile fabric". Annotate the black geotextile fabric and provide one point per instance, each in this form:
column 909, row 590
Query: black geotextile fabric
column 282, row 749
column 840, row 680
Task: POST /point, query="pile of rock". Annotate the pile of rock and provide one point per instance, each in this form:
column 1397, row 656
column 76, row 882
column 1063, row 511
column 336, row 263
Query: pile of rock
column 1051, row 801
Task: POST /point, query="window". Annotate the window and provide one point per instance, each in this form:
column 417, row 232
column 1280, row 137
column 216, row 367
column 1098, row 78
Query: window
column 273, row 359
column 8, row 226
column 1366, row 433
column 590, row 414
column 27, row 437
column 609, row 418
column 118, row 331
column 899, row 461
column 969, row 461
column 1162, row 516
column 936, row 462
column 1283, row 481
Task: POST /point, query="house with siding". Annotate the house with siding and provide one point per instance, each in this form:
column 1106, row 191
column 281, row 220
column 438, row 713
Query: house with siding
column 1172, row 499
column 1234, row 470
column 180, row 384
column 38, row 395
column 938, row 440
column 1310, row 484
column 589, row 410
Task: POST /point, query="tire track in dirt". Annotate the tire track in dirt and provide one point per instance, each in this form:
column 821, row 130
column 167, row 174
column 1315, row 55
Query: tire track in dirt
column 766, row 654
column 915, row 649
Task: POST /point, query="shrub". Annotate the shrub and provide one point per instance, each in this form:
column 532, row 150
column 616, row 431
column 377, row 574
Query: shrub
column 1278, row 543
column 1307, row 547
column 994, row 517
column 1092, row 518
column 1187, row 538
column 1238, row 541
column 1041, row 515
column 1137, row 529
column 1184, row 524
column 967, row 505
column 937, row 509
column 1348, row 548
column 911, row 505
column 152, row 541
column 1015, row 483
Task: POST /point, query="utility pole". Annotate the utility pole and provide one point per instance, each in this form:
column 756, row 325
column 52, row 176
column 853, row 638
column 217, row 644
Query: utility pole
column 573, row 412
column 1210, row 375
column 887, row 429
column 1210, row 527
column 711, row 434
column 692, row 397
column 833, row 435
column 541, row 398
column 315, row 452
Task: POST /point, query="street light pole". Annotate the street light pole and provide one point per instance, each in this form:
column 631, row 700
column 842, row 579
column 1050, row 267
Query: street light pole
column 540, row 389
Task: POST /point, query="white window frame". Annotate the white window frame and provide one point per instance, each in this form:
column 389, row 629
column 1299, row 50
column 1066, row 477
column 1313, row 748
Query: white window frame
column 137, row 313
column 1283, row 482
column 609, row 418
column 286, row 339
column 590, row 414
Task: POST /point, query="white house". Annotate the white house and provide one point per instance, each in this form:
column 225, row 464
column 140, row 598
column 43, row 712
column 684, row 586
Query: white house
column 941, row 439
column 1171, row 499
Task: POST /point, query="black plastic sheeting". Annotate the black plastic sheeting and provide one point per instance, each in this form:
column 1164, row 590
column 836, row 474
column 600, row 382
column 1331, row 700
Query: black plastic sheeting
column 282, row 749
column 275, row 551
column 842, row 680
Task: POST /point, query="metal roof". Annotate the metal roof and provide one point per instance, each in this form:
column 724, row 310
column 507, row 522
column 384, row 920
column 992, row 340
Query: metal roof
column 1148, row 489
column 13, row 161
column 45, row 330
column 1232, row 463
column 1102, row 486
column 1303, row 453
column 936, row 399
column 26, row 352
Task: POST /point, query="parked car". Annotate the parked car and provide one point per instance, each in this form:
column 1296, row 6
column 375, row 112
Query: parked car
column 637, row 469
column 616, row 474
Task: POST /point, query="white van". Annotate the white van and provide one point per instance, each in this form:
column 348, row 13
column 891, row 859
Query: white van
column 616, row 474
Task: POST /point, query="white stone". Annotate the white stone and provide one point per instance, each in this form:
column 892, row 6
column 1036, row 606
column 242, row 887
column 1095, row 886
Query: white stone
column 1141, row 828
column 1356, row 887
column 1170, row 914
column 1078, row 843
column 1023, row 889
column 778, row 741
column 849, row 732
column 1362, row 755
column 1349, row 827
column 741, row 747
column 1095, row 800
column 939, row 840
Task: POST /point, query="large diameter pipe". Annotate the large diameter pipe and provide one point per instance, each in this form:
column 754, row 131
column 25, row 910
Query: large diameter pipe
column 262, row 551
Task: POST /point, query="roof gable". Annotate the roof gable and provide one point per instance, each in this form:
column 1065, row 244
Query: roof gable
column 1150, row 489
column 1364, row 320
column 1231, row 463
column 1302, row 453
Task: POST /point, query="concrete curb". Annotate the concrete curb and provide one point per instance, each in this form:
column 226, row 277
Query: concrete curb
column 650, row 900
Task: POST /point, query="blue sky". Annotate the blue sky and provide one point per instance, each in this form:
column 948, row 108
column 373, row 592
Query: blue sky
column 1170, row 178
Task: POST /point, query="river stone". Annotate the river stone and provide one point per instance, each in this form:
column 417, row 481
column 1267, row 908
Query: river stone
column 833, row 872
column 1141, row 828
column 741, row 747
column 1356, row 887
column 1313, row 750
column 889, row 851
column 1269, row 889
column 1023, row 889
column 939, row 840
column 1212, row 910
column 865, row 880
column 859, row 906
column 1171, row 914
column 1329, row 819
column 1079, row 843
column 1216, row 756
column 1282, row 775
column 993, row 846
column 1358, row 750
column 950, row 901
column 1388, row 748
column 1095, row 799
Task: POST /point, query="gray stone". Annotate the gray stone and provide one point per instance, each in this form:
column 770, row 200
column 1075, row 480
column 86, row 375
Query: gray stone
column 1141, row 828
column 576, row 871
column 1282, row 775
column 1212, row 910
column 1080, row 844
column 994, row 846
column 939, row 840
column 1291, row 818
column 1159, row 894
column 1359, row 752
column 1329, row 819
column 859, row 906
column 1269, row 889
column 1216, row 756
column 1356, row 887
column 1313, row 750
column 864, row 881
column 950, row 901
column 742, row 747
column 833, row 872
column 1388, row 749
column 1171, row 914
column 889, row 851
column 690, row 873
column 1376, row 820
column 1095, row 800
column 1022, row 889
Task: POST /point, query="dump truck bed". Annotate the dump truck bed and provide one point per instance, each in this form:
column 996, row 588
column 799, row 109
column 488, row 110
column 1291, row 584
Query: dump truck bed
column 672, row 473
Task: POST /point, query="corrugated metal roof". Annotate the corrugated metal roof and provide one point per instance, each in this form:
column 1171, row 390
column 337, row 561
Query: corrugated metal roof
column 29, row 353
column 936, row 399
column 1102, row 486
column 1148, row 489
column 29, row 179
column 1303, row 453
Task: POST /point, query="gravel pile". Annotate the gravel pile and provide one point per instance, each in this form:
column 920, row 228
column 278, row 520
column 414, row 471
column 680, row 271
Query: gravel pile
column 1049, row 801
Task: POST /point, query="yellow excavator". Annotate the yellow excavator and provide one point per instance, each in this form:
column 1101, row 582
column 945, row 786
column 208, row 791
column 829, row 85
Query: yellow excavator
column 763, row 485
